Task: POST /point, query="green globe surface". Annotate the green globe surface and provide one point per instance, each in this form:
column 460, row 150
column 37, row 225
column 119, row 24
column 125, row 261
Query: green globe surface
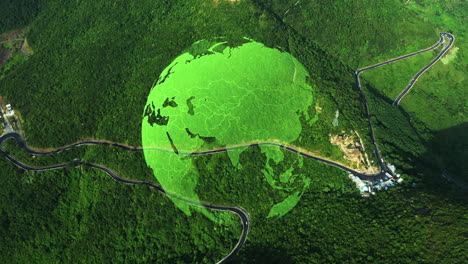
column 218, row 96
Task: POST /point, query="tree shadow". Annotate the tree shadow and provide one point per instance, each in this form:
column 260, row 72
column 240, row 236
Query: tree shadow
column 447, row 155
column 436, row 156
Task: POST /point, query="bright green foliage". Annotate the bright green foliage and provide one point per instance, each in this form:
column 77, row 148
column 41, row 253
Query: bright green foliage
column 391, row 79
column 452, row 55
column 12, row 62
column 216, row 95
column 438, row 103
column 285, row 206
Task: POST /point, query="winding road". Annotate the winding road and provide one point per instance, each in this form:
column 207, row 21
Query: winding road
column 383, row 165
column 420, row 72
column 425, row 68
column 243, row 215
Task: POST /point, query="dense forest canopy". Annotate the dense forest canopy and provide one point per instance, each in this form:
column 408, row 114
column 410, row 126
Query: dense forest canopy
column 93, row 66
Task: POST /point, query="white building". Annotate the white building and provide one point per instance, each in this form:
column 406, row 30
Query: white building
column 10, row 111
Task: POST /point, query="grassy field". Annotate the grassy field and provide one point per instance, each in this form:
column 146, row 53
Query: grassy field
column 437, row 105
column 443, row 88
column 391, row 79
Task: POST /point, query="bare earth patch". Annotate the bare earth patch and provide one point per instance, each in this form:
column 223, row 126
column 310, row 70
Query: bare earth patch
column 354, row 151
column 26, row 49
column 12, row 42
column 15, row 34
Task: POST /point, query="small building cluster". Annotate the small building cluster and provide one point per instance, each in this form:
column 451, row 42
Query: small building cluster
column 384, row 185
column 9, row 121
column 9, row 111
column 363, row 186
column 367, row 188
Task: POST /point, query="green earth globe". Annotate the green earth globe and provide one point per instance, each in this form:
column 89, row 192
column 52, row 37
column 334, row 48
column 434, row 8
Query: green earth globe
column 216, row 95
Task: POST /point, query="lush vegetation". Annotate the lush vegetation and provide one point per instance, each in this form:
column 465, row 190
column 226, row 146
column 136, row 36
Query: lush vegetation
column 444, row 86
column 222, row 96
column 393, row 78
column 404, row 226
column 437, row 104
column 93, row 67
column 359, row 33
column 78, row 215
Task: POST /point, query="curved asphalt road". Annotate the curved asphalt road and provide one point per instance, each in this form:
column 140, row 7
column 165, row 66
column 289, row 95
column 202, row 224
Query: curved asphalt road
column 425, row 68
column 420, row 72
column 243, row 215
column 22, row 144
column 383, row 165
